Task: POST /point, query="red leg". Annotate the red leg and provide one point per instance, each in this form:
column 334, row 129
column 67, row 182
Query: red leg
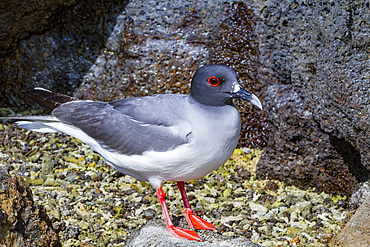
column 176, row 231
column 193, row 220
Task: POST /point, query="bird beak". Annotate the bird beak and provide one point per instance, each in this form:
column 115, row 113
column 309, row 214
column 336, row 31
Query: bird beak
column 245, row 95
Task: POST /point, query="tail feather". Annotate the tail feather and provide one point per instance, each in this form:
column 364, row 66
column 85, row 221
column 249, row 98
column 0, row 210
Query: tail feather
column 41, row 124
column 36, row 126
column 48, row 99
column 31, row 118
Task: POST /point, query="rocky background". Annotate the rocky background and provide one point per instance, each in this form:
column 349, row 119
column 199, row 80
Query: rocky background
column 51, row 44
column 319, row 105
column 308, row 62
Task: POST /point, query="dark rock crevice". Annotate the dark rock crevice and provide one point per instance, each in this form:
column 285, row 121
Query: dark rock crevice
column 351, row 157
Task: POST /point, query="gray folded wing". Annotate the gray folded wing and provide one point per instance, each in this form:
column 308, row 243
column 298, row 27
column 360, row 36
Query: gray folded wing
column 128, row 126
column 160, row 109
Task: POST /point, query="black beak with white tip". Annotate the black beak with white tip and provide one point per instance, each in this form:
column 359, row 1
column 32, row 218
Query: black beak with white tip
column 245, row 95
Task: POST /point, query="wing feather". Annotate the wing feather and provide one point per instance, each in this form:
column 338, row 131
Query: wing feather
column 119, row 129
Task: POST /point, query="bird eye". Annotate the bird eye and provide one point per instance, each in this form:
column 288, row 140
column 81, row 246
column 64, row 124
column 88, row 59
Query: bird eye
column 213, row 81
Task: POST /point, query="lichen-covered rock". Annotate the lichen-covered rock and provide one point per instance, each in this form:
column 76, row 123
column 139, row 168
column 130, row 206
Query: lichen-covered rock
column 318, row 55
column 22, row 222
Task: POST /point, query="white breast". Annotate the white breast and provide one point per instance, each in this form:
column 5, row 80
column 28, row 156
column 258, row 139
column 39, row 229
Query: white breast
column 216, row 133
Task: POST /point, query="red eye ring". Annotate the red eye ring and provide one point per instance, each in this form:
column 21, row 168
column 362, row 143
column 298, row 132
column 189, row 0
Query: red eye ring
column 213, row 81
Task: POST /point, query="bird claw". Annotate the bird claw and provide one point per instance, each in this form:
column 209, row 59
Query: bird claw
column 183, row 233
column 196, row 222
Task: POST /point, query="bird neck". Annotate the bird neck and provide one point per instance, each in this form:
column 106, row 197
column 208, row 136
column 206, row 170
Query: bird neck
column 206, row 106
column 210, row 101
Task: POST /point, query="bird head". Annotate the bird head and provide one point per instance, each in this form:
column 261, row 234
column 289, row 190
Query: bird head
column 217, row 85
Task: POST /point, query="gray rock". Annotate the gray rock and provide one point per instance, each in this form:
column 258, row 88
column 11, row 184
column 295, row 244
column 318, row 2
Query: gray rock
column 156, row 234
column 148, row 52
column 295, row 152
column 50, row 44
column 19, row 21
column 356, row 233
column 316, row 54
column 359, row 196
